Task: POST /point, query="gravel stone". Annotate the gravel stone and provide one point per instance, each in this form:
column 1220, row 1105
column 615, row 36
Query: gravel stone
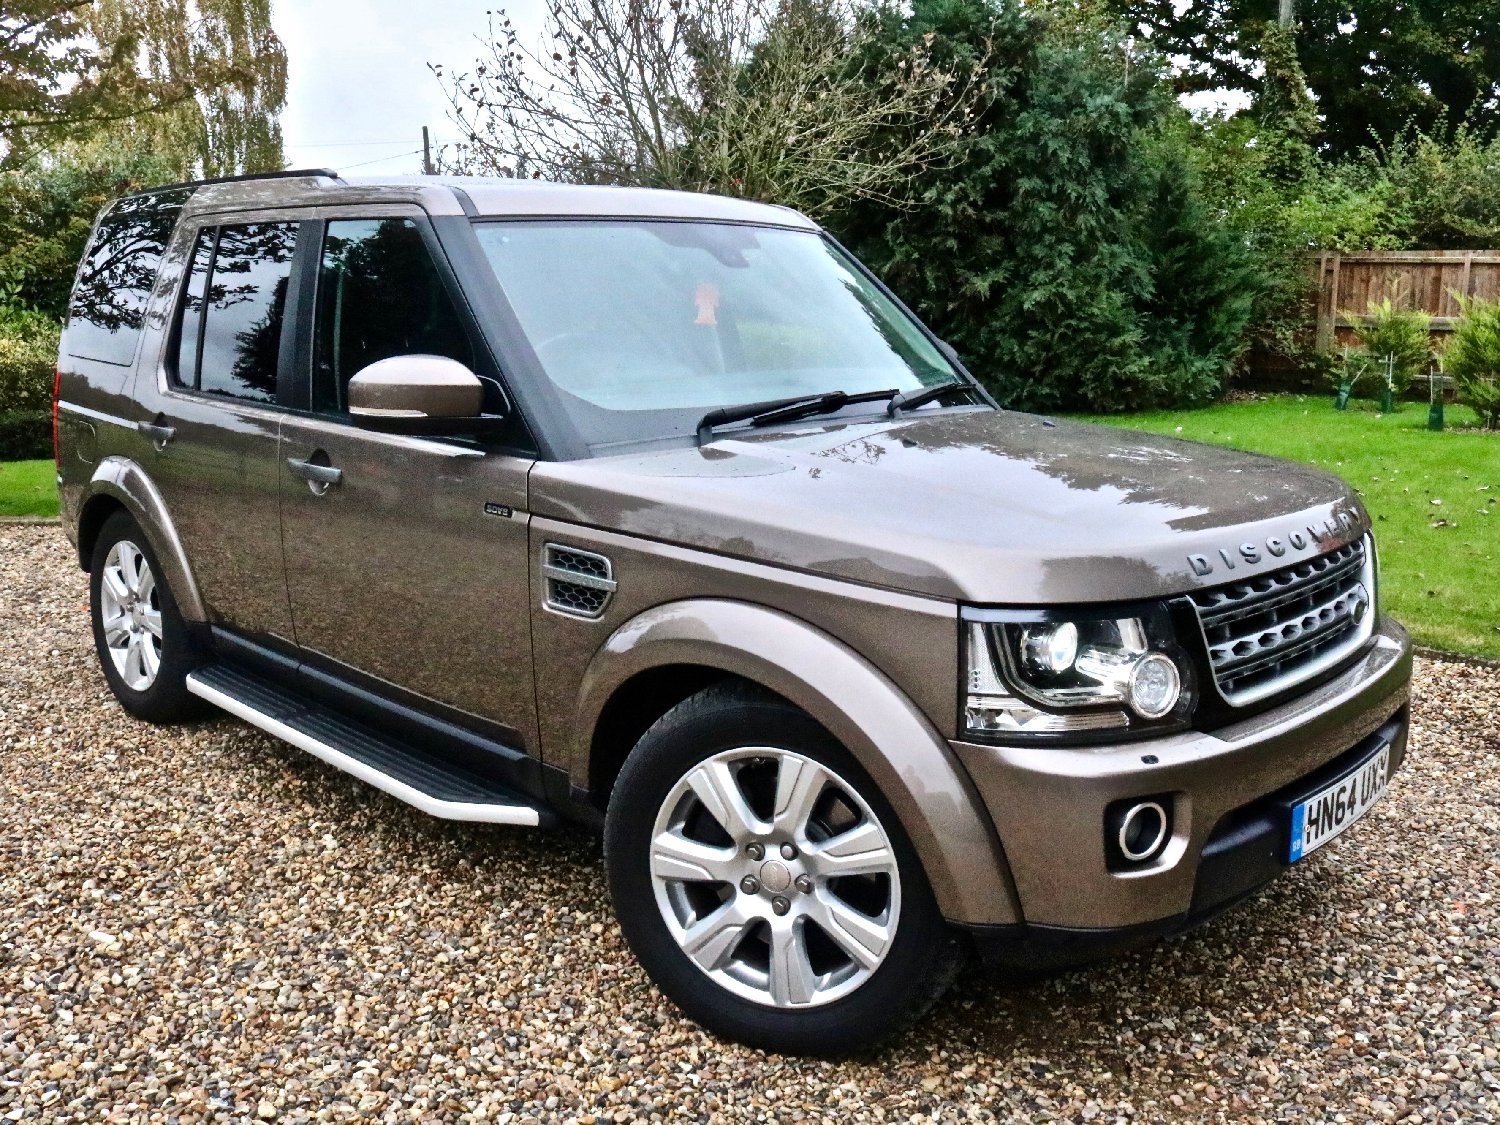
column 200, row 923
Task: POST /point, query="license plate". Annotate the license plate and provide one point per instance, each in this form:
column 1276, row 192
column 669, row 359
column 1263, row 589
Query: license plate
column 1328, row 812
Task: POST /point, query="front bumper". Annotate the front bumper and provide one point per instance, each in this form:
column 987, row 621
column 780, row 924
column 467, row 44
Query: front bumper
column 1048, row 805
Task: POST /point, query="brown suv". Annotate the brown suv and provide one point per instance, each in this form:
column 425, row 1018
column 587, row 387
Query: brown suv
column 658, row 512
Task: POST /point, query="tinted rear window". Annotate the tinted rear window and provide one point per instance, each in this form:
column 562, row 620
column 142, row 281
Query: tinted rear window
column 242, row 315
column 108, row 308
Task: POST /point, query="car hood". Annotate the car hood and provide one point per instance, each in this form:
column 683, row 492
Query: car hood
column 982, row 506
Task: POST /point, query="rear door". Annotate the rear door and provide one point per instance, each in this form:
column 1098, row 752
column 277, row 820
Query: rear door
column 213, row 416
column 412, row 566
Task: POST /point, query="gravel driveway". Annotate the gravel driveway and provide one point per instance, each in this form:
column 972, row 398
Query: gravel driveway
column 200, row 922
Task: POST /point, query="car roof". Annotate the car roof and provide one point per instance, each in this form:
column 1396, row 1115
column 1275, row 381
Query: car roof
column 482, row 197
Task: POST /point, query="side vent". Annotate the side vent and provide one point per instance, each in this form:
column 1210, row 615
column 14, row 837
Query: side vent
column 579, row 583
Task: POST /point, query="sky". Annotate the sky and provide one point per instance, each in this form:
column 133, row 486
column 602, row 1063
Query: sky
column 358, row 87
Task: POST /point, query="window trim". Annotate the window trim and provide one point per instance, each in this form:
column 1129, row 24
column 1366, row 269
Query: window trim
column 487, row 364
column 113, row 215
column 170, row 383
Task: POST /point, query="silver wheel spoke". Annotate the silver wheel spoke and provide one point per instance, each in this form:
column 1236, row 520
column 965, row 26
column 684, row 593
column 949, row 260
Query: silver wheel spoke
column 115, row 585
column 676, row 857
column 714, row 784
column 151, row 619
column 863, row 938
column 799, row 784
column 135, row 663
column 860, row 851
column 710, row 940
column 116, row 630
column 793, row 982
column 130, row 567
column 146, row 585
column 150, row 657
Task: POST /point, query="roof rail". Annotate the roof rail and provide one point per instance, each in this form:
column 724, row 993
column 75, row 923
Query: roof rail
column 284, row 174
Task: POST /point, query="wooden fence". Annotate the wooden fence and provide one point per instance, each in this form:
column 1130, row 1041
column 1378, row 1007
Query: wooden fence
column 1423, row 279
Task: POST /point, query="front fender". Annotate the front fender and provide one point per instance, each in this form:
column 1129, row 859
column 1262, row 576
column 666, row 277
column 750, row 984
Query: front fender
column 910, row 761
column 125, row 481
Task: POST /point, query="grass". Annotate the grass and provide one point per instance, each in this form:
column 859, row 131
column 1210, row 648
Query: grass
column 28, row 488
column 1434, row 497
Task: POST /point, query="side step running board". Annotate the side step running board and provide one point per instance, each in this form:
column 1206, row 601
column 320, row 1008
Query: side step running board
column 406, row 772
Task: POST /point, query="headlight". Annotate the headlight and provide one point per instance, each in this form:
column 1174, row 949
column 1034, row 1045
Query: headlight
column 1031, row 674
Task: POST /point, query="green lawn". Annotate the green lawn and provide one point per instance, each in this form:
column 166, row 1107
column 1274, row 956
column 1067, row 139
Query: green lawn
column 28, row 488
column 1435, row 498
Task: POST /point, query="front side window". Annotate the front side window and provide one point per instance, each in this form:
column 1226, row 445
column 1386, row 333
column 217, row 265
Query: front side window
column 108, row 306
column 644, row 326
column 235, row 301
column 379, row 295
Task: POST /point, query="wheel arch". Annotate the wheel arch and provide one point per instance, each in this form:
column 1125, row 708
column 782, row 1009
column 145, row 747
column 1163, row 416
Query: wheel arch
column 119, row 484
column 668, row 653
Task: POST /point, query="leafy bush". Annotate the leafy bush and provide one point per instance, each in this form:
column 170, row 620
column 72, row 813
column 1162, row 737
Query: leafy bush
column 28, row 360
column 25, row 435
column 1472, row 357
column 1066, row 252
column 1396, row 341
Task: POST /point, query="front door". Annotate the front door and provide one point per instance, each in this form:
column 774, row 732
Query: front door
column 406, row 557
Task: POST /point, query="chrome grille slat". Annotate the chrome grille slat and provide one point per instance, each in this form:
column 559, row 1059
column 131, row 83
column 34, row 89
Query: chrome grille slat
column 1272, row 631
column 1285, row 590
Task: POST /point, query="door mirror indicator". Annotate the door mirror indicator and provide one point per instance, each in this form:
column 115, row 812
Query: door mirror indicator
column 419, row 394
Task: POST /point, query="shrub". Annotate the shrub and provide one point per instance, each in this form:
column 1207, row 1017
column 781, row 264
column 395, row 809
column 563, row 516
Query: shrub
column 28, row 360
column 1066, row 252
column 1472, row 357
column 1395, row 340
column 25, row 435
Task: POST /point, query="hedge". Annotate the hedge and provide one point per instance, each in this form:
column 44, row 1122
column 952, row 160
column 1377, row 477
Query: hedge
column 25, row 435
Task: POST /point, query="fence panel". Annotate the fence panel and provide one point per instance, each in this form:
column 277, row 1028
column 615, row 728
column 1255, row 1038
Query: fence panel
column 1423, row 279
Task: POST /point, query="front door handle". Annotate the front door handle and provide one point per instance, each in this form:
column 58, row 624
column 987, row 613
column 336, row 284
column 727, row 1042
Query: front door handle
column 158, row 433
column 318, row 477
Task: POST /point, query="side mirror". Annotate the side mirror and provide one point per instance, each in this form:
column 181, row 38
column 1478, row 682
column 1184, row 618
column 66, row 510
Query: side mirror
column 419, row 394
column 415, row 386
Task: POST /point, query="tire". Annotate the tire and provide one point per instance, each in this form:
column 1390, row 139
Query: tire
column 827, row 964
column 144, row 647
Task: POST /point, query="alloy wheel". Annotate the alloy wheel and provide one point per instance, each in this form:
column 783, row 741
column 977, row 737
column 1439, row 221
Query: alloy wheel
column 775, row 877
column 130, row 610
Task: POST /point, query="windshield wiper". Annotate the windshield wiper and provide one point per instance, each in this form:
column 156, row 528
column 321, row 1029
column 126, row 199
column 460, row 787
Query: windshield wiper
column 906, row 400
column 783, row 409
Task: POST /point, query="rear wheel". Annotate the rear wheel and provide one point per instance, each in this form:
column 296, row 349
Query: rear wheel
column 765, row 883
column 144, row 646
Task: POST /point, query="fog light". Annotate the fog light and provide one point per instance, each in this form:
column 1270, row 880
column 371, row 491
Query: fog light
column 1143, row 831
column 1051, row 648
column 1155, row 686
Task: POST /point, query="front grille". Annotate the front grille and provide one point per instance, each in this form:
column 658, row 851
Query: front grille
column 1275, row 630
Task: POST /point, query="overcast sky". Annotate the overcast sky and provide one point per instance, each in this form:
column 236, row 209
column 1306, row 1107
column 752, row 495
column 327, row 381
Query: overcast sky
column 358, row 87
column 359, row 91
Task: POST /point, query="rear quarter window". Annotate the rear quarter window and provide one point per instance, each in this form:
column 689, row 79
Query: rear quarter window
column 108, row 307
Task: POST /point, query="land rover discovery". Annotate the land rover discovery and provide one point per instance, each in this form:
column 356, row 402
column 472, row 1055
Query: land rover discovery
column 658, row 512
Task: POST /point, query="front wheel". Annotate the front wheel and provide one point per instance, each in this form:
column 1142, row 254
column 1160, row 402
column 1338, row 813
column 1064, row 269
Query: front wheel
column 765, row 883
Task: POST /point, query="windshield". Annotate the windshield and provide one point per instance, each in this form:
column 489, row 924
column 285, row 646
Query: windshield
column 644, row 326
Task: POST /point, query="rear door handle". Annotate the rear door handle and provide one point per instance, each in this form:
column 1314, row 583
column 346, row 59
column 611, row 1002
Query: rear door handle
column 315, row 474
column 158, row 433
